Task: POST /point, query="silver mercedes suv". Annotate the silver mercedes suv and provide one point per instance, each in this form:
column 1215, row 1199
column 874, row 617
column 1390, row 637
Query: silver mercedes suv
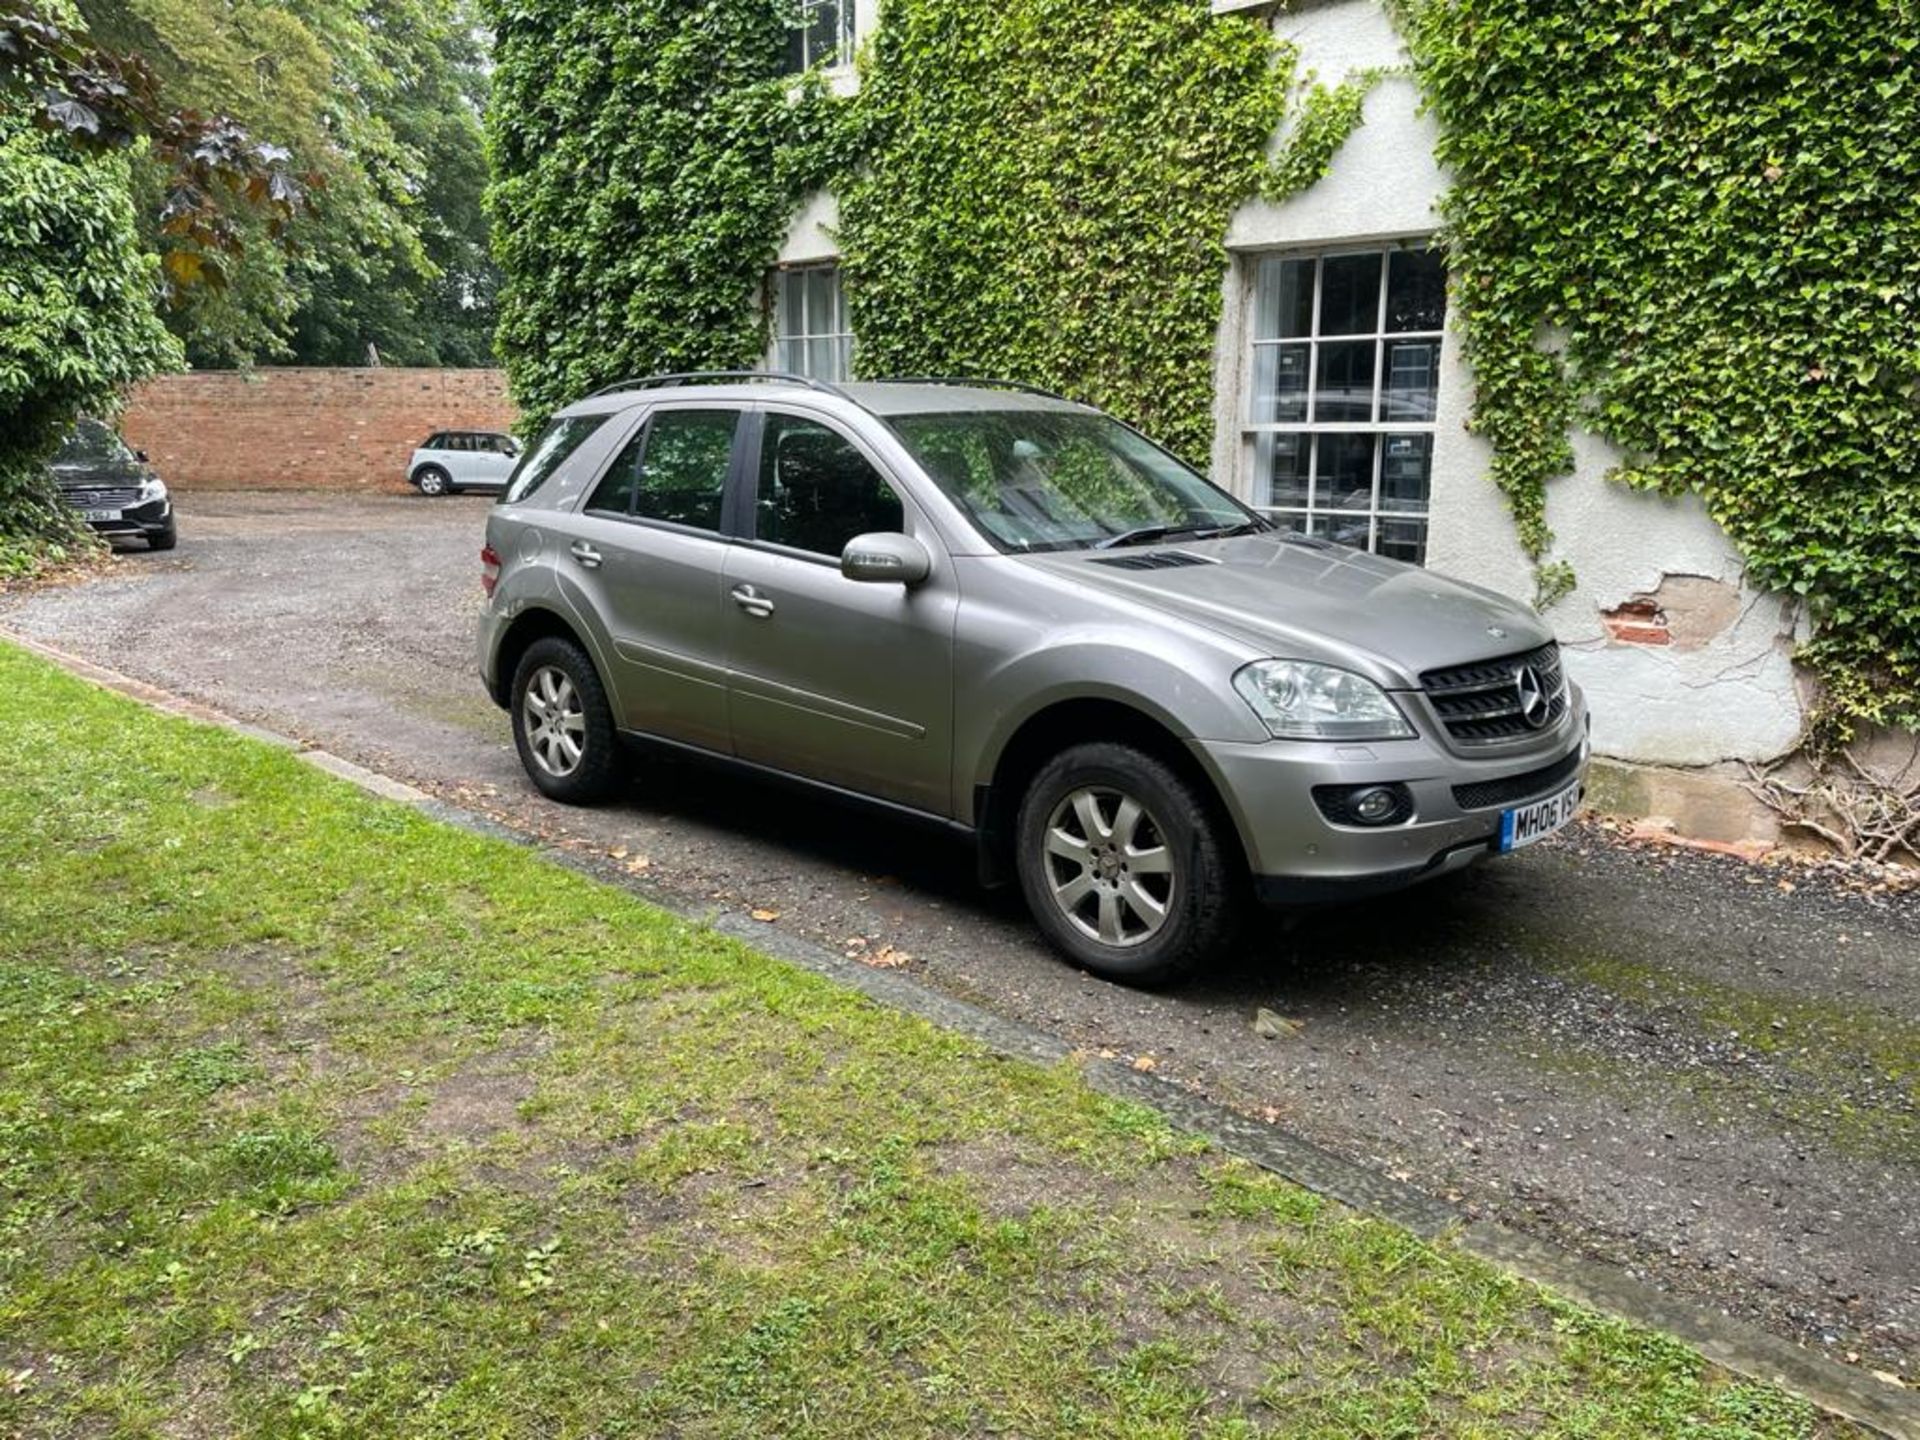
column 987, row 607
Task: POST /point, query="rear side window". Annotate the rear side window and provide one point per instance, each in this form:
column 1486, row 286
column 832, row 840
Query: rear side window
column 549, row 450
column 674, row 470
column 434, row 442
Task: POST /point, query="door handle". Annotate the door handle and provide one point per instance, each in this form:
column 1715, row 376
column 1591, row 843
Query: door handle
column 752, row 601
column 585, row 554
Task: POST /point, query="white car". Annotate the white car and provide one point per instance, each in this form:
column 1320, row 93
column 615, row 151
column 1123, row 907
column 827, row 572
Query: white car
column 456, row 460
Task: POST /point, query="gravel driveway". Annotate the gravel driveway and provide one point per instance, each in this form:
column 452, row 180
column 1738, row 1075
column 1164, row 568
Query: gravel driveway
column 1703, row 1071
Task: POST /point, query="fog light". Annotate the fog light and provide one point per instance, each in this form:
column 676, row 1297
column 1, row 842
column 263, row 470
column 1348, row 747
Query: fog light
column 1375, row 806
column 1365, row 806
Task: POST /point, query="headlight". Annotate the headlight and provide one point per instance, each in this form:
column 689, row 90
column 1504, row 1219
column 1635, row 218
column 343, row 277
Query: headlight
column 1299, row 700
column 151, row 490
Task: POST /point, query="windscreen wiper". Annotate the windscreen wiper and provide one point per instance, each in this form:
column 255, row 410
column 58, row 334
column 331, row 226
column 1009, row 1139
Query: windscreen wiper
column 1138, row 537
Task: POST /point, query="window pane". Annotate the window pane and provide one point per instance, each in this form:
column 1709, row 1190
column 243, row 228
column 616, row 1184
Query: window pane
column 792, row 355
column 1283, row 300
column 1280, row 469
column 817, row 491
column 820, row 357
column 1416, row 291
column 547, row 453
column 1350, row 294
column 1406, row 472
column 823, row 290
column 1344, row 477
column 823, row 33
column 843, row 357
column 614, row 493
column 793, row 318
column 684, row 472
column 1343, row 390
column 1412, row 386
column 1279, row 384
column 1404, row 540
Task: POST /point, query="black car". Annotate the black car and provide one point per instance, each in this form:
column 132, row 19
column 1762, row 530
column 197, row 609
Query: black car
column 113, row 488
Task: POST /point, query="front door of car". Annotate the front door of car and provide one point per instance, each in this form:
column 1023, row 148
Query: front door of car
column 491, row 462
column 839, row 680
column 645, row 555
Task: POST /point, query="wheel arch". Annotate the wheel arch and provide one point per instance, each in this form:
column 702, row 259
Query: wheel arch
column 536, row 622
column 1055, row 727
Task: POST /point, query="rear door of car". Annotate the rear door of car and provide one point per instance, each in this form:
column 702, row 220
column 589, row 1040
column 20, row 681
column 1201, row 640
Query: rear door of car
column 839, row 680
column 644, row 555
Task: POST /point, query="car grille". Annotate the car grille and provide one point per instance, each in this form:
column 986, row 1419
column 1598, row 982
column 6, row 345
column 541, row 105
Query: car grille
column 1480, row 704
column 116, row 497
column 1509, row 790
column 1152, row 560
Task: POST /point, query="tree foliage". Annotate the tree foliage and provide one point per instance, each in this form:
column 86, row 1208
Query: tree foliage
column 1711, row 209
column 382, row 102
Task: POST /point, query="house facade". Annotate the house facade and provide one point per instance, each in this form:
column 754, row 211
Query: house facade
column 1341, row 402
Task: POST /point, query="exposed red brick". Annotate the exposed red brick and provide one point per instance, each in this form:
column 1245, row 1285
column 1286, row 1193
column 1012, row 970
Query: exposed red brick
column 1637, row 622
column 294, row 428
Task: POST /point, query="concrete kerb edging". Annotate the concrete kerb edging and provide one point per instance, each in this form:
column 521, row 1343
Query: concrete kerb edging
column 1732, row 1344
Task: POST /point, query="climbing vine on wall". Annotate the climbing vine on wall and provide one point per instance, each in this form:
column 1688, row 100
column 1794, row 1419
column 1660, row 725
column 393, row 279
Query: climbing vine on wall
column 1693, row 227
column 646, row 157
column 1037, row 189
column 1046, row 196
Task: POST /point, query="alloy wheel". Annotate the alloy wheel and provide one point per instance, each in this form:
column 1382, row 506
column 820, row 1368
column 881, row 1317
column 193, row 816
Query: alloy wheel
column 555, row 721
column 1108, row 866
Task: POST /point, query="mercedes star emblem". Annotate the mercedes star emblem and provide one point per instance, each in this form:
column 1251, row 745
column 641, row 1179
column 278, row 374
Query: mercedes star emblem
column 1496, row 632
column 1534, row 703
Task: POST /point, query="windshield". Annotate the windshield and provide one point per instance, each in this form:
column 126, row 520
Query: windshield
column 1059, row 480
column 90, row 443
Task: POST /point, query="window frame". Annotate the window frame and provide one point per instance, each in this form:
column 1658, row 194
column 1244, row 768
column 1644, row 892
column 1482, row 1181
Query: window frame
column 845, row 38
column 781, row 278
column 1249, row 430
column 728, row 531
column 750, row 483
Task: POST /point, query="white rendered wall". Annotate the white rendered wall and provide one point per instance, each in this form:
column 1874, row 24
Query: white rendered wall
column 1726, row 688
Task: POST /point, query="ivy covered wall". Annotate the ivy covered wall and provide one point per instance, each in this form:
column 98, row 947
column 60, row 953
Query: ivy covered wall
column 1687, row 225
column 1693, row 228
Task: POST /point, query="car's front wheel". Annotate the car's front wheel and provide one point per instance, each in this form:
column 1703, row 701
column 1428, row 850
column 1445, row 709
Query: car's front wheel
column 432, row 480
column 1125, row 865
column 164, row 539
column 562, row 724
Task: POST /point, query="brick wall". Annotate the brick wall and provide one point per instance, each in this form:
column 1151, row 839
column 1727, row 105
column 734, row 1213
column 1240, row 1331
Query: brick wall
column 297, row 429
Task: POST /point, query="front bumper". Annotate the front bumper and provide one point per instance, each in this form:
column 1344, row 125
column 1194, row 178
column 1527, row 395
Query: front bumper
column 1300, row 857
column 137, row 522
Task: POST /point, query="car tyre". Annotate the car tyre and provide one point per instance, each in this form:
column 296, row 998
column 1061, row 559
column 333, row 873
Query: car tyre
column 563, row 726
column 1126, row 866
column 164, row 539
column 432, row 480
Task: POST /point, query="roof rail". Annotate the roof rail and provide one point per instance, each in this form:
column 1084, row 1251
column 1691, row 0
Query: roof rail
column 977, row 383
column 705, row 377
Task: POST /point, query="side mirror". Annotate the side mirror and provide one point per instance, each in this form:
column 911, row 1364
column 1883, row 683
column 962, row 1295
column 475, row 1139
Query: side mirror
column 883, row 557
column 141, row 456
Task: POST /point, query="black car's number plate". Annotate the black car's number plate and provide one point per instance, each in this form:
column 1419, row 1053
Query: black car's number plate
column 99, row 514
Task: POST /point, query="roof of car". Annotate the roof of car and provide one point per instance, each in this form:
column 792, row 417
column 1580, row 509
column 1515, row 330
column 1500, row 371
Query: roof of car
column 877, row 397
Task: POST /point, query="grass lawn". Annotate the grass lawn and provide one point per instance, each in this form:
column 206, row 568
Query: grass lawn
column 319, row 1118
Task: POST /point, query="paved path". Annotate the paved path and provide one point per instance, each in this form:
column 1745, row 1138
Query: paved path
column 1662, row 1059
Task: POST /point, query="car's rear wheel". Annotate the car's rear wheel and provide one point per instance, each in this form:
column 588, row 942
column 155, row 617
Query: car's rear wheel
column 432, row 480
column 562, row 724
column 1125, row 865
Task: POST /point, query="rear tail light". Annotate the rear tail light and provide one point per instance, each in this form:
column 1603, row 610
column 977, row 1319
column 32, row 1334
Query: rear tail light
column 489, row 569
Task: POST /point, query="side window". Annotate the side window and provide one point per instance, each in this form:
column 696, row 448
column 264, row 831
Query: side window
column 816, row 490
column 460, row 444
column 435, row 442
column 548, row 452
column 673, row 470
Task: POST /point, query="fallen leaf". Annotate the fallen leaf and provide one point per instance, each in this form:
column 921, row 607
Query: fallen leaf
column 639, row 863
column 619, row 853
column 885, row 958
column 766, row 916
column 1271, row 1025
column 1887, row 1377
column 1146, row 1063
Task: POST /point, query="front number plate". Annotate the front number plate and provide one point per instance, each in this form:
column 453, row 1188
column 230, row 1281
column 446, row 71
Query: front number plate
column 1522, row 826
column 99, row 514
